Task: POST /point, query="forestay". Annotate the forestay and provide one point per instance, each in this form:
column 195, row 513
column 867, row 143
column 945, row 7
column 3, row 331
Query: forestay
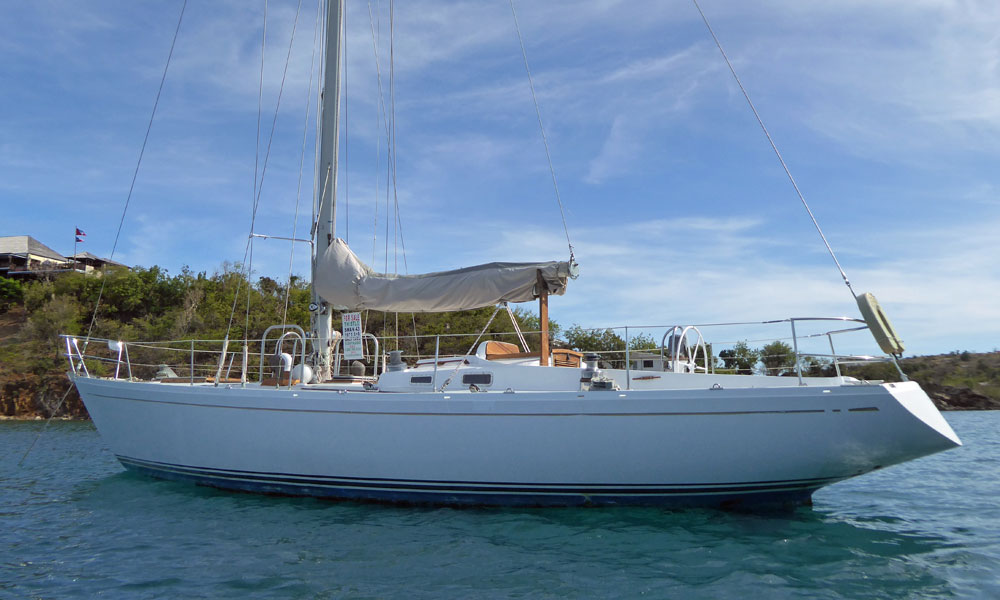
column 343, row 280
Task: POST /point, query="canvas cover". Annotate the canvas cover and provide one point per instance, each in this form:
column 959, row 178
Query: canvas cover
column 347, row 283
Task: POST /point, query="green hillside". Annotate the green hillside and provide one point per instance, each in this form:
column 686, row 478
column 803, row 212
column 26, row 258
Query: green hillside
column 151, row 304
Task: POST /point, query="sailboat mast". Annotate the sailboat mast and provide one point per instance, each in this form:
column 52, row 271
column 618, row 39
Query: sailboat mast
column 325, row 202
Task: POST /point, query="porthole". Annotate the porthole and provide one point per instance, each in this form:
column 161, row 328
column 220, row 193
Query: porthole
column 477, row 378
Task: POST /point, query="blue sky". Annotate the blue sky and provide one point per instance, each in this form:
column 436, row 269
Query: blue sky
column 888, row 114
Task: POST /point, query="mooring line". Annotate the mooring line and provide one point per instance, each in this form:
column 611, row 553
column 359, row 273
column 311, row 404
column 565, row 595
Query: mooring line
column 46, row 426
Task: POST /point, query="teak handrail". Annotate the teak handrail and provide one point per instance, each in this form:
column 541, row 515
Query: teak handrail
column 503, row 355
column 561, row 357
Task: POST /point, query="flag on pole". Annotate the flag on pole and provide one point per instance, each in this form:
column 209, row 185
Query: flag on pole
column 78, row 239
column 80, row 232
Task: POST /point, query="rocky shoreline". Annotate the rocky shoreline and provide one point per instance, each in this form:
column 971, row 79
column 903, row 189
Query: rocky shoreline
column 947, row 397
column 29, row 396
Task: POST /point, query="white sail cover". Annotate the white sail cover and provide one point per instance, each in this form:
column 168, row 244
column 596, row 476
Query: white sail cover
column 347, row 283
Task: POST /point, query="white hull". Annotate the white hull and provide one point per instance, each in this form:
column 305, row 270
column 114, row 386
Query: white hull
column 684, row 446
column 674, row 436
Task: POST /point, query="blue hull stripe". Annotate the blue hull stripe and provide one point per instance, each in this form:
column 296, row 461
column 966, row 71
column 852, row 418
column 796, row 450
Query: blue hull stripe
column 486, row 493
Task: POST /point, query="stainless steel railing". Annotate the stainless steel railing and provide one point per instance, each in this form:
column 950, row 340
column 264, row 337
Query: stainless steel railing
column 681, row 348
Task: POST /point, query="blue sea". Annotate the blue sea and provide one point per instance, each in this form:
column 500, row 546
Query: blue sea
column 73, row 524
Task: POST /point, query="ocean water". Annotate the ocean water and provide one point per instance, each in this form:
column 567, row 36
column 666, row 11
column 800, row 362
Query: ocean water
column 73, row 524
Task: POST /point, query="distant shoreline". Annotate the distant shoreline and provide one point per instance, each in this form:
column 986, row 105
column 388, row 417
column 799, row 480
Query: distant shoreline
column 41, row 418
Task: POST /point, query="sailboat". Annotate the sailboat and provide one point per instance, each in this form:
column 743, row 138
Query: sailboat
column 500, row 425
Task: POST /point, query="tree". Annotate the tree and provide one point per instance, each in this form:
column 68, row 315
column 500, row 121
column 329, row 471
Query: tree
column 741, row 358
column 817, row 367
column 11, row 292
column 777, row 357
column 415, row 333
column 62, row 314
column 594, row 340
column 606, row 342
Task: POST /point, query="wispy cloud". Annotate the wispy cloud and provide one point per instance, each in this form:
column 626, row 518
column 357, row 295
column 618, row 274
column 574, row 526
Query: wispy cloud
column 887, row 113
column 617, row 154
column 630, row 275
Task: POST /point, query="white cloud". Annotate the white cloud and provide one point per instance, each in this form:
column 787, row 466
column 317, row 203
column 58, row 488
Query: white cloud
column 887, row 111
column 942, row 297
column 889, row 81
column 618, row 153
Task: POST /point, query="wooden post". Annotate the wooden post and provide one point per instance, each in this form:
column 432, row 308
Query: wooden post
column 543, row 319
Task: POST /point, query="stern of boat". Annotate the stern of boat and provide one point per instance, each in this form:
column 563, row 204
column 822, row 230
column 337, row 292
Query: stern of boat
column 915, row 400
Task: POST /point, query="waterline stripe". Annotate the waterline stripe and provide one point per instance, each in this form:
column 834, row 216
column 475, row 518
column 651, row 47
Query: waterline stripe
column 288, row 480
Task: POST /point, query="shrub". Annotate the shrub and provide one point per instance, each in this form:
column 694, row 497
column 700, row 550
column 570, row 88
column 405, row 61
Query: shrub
column 11, row 292
column 742, row 358
column 777, row 357
column 61, row 314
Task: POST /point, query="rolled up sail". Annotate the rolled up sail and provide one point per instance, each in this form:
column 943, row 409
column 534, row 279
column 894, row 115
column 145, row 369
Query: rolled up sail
column 343, row 280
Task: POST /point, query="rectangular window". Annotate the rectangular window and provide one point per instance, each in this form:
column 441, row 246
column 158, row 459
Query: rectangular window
column 420, row 379
column 477, row 378
column 647, row 364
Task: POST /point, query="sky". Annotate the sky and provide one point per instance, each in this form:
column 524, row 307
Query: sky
column 887, row 114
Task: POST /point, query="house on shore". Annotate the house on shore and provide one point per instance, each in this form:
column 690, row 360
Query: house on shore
column 87, row 262
column 24, row 257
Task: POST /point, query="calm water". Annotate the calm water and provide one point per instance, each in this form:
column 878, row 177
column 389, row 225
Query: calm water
column 74, row 525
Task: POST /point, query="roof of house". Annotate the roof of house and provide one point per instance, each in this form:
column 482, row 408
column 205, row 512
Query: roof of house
column 25, row 244
column 94, row 257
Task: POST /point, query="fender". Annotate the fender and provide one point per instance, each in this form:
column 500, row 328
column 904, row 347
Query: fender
column 879, row 324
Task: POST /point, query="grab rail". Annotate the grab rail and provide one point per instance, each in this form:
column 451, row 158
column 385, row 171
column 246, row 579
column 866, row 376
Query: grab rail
column 71, row 345
column 375, row 356
column 296, row 331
